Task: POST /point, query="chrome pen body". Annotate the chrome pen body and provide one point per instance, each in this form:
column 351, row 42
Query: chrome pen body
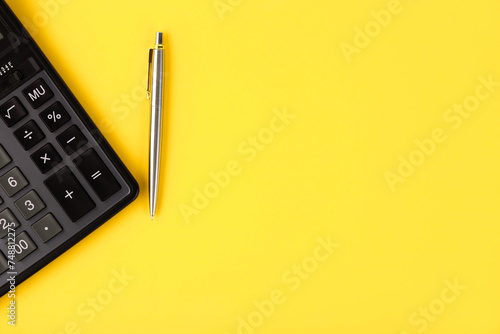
column 155, row 94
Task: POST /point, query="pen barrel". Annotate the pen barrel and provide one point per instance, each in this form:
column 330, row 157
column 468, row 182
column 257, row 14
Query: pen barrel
column 156, row 124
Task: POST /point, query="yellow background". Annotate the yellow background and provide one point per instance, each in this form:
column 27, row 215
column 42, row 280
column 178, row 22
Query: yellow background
column 322, row 176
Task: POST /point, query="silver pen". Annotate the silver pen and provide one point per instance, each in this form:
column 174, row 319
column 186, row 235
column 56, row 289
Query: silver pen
column 155, row 93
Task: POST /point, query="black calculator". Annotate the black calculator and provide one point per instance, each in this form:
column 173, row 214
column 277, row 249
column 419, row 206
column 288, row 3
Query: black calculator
column 59, row 178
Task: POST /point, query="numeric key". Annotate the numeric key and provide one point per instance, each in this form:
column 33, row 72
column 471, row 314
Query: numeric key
column 7, row 221
column 23, row 246
column 13, row 182
column 30, row 204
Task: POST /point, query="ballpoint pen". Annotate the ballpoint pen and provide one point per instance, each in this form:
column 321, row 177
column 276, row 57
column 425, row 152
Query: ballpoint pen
column 155, row 93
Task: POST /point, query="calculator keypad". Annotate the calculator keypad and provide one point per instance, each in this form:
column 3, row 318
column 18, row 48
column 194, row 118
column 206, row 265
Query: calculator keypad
column 56, row 180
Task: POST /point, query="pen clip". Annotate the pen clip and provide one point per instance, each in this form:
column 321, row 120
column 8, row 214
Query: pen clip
column 149, row 73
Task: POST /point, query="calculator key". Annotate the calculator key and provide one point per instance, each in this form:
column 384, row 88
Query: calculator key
column 4, row 265
column 97, row 174
column 30, row 204
column 7, row 220
column 46, row 158
column 13, row 182
column 12, row 112
column 29, row 135
column 4, row 158
column 55, row 116
column 70, row 194
column 23, row 246
column 47, row 228
column 38, row 93
column 71, row 139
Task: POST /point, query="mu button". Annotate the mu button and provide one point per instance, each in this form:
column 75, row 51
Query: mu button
column 38, row 93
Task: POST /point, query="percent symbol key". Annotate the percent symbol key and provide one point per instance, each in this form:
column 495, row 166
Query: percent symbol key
column 55, row 116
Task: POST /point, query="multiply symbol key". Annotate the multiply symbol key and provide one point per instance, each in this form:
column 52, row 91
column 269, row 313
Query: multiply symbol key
column 45, row 158
column 54, row 116
column 69, row 194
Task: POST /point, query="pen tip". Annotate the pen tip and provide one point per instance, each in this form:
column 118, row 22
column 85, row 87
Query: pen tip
column 159, row 38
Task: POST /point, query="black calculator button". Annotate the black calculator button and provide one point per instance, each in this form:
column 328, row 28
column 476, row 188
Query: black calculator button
column 38, row 93
column 70, row 194
column 46, row 158
column 47, row 228
column 55, row 116
column 13, row 182
column 29, row 135
column 12, row 112
column 4, row 158
column 23, row 246
column 7, row 220
column 30, row 204
column 71, row 139
column 4, row 265
column 97, row 174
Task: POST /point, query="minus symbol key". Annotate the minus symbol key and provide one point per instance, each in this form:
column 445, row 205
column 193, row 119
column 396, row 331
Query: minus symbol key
column 72, row 139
